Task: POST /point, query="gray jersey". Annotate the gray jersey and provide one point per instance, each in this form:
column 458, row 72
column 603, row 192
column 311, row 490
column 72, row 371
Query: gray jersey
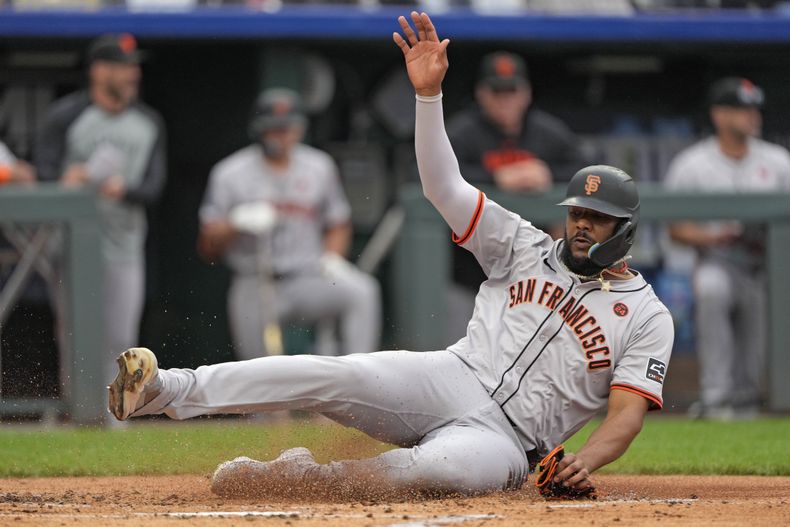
column 132, row 133
column 6, row 157
column 75, row 130
column 308, row 198
column 550, row 348
column 704, row 168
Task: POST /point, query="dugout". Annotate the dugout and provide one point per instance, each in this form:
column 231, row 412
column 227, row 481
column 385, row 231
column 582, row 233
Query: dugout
column 633, row 85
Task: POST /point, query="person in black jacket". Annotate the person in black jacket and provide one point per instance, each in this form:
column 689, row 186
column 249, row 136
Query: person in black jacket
column 502, row 140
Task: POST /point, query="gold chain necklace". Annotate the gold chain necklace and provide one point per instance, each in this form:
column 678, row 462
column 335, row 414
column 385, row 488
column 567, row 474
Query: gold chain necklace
column 606, row 285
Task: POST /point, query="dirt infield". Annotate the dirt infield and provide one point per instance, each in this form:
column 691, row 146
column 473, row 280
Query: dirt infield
column 186, row 500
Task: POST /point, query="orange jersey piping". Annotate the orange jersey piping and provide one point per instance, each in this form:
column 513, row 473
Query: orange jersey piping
column 655, row 401
column 481, row 199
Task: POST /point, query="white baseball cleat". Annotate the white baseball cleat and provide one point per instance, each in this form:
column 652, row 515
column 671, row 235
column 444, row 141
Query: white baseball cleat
column 244, row 477
column 136, row 368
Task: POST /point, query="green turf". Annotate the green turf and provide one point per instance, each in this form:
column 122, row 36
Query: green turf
column 665, row 446
column 680, row 446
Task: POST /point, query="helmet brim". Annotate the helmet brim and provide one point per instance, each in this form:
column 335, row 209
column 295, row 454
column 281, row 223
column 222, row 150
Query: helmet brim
column 596, row 205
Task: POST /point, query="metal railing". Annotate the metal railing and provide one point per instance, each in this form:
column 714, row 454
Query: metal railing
column 75, row 211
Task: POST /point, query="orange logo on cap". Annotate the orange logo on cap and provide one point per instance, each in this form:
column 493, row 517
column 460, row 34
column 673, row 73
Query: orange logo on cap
column 592, row 184
column 504, row 67
column 127, row 43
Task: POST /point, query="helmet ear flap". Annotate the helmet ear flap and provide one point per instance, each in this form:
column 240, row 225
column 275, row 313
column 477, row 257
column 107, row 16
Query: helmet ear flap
column 607, row 253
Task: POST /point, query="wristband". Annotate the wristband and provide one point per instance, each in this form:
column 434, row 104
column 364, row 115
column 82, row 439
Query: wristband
column 429, row 98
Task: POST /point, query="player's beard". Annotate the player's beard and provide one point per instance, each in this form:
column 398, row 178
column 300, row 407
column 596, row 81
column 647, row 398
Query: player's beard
column 582, row 266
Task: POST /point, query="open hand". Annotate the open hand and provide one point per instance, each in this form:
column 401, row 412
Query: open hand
column 426, row 56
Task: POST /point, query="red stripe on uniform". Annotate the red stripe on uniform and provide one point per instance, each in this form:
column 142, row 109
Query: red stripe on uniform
column 481, row 199
column 655, row 401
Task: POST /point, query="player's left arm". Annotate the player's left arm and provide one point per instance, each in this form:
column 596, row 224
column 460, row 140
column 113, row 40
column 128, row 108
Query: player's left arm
column 635, row 388
column 623, row 422
column 150, row 188
column 337, row 239
column 336, row 213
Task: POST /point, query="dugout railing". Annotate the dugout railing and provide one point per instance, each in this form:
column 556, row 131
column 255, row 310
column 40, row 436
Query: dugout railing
column 420, row 274
column 421, row 261
column 72, row 215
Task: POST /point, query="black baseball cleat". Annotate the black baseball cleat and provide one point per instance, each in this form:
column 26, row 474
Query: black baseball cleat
column 136, row 368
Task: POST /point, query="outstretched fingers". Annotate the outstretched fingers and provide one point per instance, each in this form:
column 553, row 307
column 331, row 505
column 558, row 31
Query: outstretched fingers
column 404, row 47
column 425, row 32
column 407, row 30
column 418, row 24
column 430, row 29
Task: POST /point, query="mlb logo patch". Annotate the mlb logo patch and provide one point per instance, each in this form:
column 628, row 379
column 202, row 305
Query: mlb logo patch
column 656, row 370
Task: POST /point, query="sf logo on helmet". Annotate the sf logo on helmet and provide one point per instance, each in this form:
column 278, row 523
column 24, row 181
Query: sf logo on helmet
column 592, row 184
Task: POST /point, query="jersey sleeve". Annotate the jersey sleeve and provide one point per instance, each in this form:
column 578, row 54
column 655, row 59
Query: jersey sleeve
column 336, row 207
column 643, row 367
column 684, row 172
column 6, row 157
column 150, row 189
column 217, row 200
column 492, row 234
column 784, row 171
column 674, row 179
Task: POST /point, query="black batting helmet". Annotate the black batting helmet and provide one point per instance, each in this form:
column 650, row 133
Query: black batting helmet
column 610, row 191
column 275, row 108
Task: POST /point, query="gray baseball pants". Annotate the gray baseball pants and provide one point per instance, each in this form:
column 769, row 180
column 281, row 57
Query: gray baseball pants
column 124, row 298
column 452, row 436
column 348, row 295
column 731, row 333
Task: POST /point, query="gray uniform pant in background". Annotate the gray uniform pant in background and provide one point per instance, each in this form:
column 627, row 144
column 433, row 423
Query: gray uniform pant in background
column 453, row 436
column 346, row 295
column 124, row 297
column 731, row 333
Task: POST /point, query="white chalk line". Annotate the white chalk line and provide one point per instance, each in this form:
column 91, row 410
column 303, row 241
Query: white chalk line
column 602, row 503
column 223, row 514
column 445, row 520
column 427, row 522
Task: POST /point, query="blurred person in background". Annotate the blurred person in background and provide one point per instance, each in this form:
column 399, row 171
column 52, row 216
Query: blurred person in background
column 307, row 245
column 503, row 140
column 729, row 276
column 105, row 139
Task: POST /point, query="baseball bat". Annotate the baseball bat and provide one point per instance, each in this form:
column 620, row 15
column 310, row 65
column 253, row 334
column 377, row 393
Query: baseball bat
column 272, row 337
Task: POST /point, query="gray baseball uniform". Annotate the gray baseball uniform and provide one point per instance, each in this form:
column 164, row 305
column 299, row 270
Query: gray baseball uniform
column 74, row 131
column 542, row 353
column 729, row 282
column 6, row 157
column 308, row 198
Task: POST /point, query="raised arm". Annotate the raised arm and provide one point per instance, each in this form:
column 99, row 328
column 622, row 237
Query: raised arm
column 426, row 64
